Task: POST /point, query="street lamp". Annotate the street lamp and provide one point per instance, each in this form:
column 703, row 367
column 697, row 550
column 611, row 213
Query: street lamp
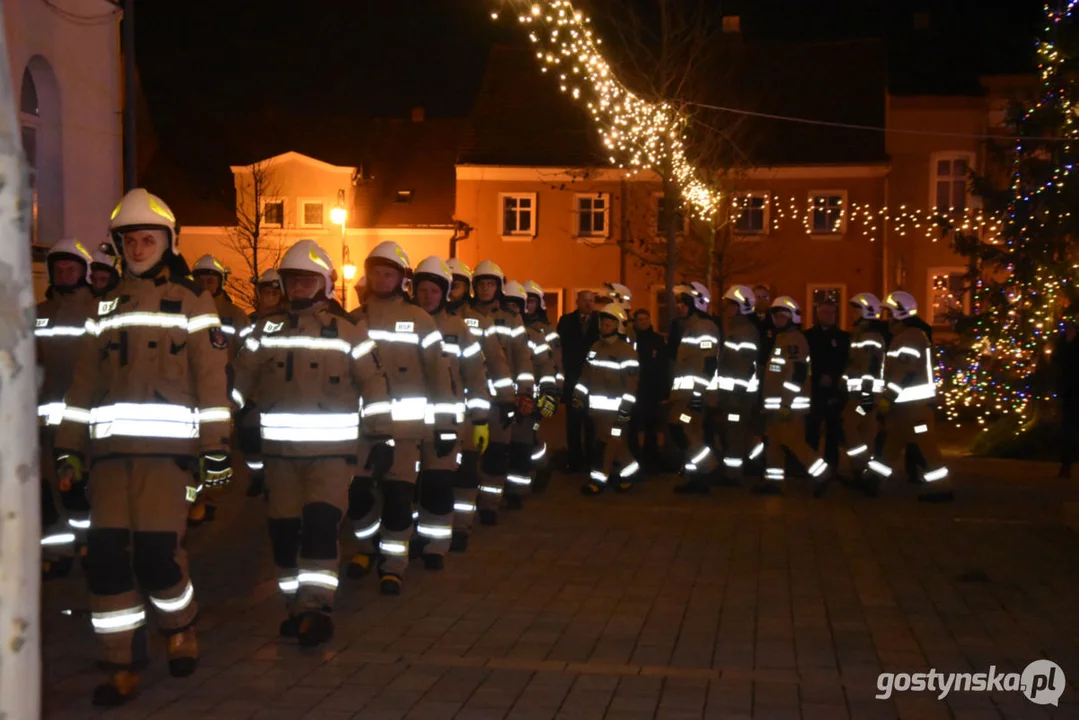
column 338, row 216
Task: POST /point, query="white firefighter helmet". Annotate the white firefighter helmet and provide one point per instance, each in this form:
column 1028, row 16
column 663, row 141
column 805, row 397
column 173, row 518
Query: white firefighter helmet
column 786, row 302
column 459, row 270
column 141, row 210
column 534, row 288
column 69, row 249
column 619, row 293
column 208, row 263
column 270, row 277
column 391, row 254
column 307, row 256
column 868, row 305
column 515, row 291
column 434, row 268
column 902, row 304
column 105, row 259
column 697, row 293
column 615, row 310
column 488, row 269
column 742, row 296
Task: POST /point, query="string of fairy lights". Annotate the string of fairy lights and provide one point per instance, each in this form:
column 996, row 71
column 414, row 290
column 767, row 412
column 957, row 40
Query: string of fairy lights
column 1014, row 331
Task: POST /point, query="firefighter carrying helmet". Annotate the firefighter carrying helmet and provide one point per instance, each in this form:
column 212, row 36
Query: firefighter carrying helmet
column 437, row 271
column 743, row 297
column 619, row 293
column 787, row 304
column 868, row 305
column 534, row 288
column 902, row 304
column 69, row 249
column 209, row 264
column 141, row 210
column 391, row 254
column 306, row 256
column 697, row 293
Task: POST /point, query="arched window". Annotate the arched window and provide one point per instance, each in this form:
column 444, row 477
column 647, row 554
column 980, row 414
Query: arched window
column 30, row 122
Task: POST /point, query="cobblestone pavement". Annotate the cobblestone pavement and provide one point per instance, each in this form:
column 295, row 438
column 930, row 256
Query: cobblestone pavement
column 646, row 605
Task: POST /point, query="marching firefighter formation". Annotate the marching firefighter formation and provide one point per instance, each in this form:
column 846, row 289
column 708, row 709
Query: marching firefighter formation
column 406, row 419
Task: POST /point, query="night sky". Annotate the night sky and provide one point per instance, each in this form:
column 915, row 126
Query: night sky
column 254, row 58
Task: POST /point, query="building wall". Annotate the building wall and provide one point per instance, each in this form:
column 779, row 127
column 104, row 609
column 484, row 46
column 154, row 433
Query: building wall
column 76, row 70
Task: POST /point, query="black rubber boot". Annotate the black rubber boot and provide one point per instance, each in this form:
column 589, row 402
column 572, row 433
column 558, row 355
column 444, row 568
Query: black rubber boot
column 118, row 690
column 290, row 627
column 514, row 502
column 183, row 649
column 433, row 562
column 315, row 629
column 359, row 566
column 390, row 584
column 459, row 541
column 488, row 517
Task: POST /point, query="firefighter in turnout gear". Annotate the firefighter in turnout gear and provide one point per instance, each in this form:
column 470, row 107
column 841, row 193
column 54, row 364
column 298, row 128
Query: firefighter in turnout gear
column 104, row 275
column 619, row 293
column 907, row 402
column 210, row 275
column 423, row 411
column 500, row 384
column 536, row 321
column 59, row 333
column 692, row 386
column 864, row 379
column 786, row 400
column 608, row 388
column 526, row 422
column 269, row 294
column 738, row 380
column 488, row 282
column 468, row 380
column 311, row 366
column 148, row 413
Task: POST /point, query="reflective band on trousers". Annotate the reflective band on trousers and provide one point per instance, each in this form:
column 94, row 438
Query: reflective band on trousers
column 62, row 538
column 434, row 531
column 934, row 475
column 156, row 420
column 629, row 469
column 318, row 578
column 490, row 490
column 368, row 531
column 393, row 547
column 464, row 507
column 538, row 455
column 310, row 427
column 757, row 450
column 519, row 479
column 118, row 620
column 177, row 604
column 289, row 584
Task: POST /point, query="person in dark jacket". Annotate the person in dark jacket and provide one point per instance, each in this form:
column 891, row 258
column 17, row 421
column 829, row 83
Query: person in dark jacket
column 829, row 347
column 577, row 330
column 652, row 354
column 1066, row 360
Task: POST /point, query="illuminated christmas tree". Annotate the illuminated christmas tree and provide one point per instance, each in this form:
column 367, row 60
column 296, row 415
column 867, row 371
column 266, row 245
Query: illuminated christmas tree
column 1023, row 278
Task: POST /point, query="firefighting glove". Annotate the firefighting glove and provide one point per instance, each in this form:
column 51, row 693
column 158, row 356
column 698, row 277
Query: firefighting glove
column 215, row 468
column 481, row 436
column 380, row 458
column 444, row 442
column 697, row 403
column 577, row 403
column 68, row 470
column 547, row 405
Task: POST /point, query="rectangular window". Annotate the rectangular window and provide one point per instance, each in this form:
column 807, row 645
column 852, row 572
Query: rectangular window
column 661, row 221
column 273, row 212
column 518, row 214
column 828, row 212
column 553, row 299
column 825, row 293
column 751, row 212
column 949, row 181
column 592, row 215
column 313, row 213
column 948, row 295
column 404, row 197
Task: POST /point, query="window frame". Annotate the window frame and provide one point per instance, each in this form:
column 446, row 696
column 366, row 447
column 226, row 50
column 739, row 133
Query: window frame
column 951, row 155
column 606, row 197
column 263, row 202
column 659, row 232
column 965, row 301
column 843, row 214
column 518, row 236
column 765, row 215
column 31, row 121
column 301, row 205
column 808, row 310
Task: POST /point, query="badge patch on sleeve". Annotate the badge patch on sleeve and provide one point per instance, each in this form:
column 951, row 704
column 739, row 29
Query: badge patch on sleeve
column 217, row 338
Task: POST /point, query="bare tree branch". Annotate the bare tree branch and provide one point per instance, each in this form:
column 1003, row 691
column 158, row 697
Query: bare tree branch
column 251, row 238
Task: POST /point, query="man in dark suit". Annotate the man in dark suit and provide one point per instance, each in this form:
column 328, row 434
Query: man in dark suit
column 653, row 384
column 577, row 330
column 829, row 347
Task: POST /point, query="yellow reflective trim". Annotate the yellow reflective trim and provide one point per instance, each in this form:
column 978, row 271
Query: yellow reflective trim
column 316, row 259
column 160, row 209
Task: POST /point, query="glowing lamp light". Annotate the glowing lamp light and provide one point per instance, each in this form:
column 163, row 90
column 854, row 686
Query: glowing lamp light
column 350, row 271
column 338, row 215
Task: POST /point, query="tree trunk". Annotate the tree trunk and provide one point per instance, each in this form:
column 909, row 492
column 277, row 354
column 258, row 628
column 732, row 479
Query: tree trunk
column 20, row 494
column 670, row 198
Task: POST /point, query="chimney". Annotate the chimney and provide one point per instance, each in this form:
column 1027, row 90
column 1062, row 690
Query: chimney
column 417, row 114
column 732, row 24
